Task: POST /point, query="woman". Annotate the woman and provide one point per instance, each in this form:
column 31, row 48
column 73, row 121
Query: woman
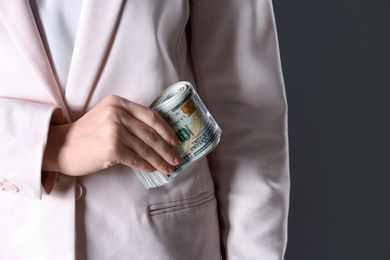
column 75, row 125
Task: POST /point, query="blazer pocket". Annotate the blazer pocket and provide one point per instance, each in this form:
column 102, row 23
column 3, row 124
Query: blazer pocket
column 172, row 206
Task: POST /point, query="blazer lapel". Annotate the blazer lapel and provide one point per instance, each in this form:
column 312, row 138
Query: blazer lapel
column 20, row 23
column 95, row 34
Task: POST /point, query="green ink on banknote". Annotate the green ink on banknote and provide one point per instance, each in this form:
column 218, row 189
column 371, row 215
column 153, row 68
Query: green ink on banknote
column 183, row 134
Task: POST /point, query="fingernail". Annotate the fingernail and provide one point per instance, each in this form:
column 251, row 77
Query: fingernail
column 177, row 160
column 170, row 169
column 174, row 140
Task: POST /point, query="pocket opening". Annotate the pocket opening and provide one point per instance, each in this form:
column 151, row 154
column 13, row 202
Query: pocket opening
column 167, row 207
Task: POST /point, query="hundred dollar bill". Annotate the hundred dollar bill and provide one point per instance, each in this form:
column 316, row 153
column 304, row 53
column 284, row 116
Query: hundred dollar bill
column 196, row 129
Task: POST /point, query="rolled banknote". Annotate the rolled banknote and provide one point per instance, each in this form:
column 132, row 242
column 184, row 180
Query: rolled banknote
column 196, row 129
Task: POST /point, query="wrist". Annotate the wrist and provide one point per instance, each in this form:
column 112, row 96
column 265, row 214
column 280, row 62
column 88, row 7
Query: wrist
column 55, row 141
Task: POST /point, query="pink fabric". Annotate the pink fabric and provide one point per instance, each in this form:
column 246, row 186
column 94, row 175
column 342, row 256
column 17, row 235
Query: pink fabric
column 233, row 204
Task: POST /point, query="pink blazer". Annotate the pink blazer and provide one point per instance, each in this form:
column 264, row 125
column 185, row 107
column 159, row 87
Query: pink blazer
column 232, row 205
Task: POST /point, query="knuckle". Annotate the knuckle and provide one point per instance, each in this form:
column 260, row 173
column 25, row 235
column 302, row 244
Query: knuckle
column 112, row 133
column 145, row 151
column 112, row 112
column 136, row 161
column 111, row 99
column 151, row 135
column 138, row 125
column 151, row 117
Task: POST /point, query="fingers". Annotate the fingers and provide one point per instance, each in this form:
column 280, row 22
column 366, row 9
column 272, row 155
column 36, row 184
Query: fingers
column 152, row 139
column 146, row 140
column 152, row 119
column 147, row 154
column 131, row 159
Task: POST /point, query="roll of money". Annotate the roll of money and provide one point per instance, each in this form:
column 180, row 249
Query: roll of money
column 196, row 129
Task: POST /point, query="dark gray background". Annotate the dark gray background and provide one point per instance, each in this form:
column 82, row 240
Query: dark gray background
column 335, row 56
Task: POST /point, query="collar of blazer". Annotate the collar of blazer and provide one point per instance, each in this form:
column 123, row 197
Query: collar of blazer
column 97, row 27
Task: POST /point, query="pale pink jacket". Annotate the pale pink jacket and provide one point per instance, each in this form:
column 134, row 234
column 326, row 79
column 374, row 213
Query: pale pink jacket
column 233, row 204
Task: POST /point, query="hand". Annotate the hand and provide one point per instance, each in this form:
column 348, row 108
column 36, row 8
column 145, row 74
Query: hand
column 115, row 131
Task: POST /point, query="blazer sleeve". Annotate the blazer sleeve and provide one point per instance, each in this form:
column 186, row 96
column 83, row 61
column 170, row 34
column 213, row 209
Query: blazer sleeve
column 238, row 73
column 23, row 134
